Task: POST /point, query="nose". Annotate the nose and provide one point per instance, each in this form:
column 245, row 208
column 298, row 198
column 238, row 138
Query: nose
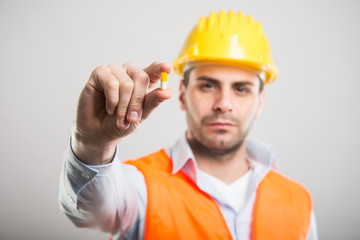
column 223, row 102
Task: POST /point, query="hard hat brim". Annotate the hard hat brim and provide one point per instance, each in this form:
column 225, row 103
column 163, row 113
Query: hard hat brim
column 269, row 72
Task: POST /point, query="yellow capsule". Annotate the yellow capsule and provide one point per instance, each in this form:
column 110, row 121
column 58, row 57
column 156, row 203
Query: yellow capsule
column 163, row 78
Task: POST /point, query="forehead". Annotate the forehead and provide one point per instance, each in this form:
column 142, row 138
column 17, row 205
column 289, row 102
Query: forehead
column 223, row 72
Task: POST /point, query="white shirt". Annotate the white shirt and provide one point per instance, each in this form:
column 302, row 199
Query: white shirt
column 235, row 192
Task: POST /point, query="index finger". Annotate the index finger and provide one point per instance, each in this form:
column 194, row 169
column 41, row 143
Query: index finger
column 155, row 69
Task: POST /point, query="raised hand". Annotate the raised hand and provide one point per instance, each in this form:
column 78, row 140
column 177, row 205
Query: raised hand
column 115, row 100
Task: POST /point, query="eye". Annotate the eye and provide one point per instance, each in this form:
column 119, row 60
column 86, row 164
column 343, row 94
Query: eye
column 206, row 86
column 242, row 89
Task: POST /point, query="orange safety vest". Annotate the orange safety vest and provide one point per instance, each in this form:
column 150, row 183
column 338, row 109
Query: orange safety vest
column 178, row 209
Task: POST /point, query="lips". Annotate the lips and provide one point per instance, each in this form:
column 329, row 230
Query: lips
column 216, row 122
column 219, row 125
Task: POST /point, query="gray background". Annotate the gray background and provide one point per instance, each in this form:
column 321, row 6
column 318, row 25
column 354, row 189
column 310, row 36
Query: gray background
column 49, row 48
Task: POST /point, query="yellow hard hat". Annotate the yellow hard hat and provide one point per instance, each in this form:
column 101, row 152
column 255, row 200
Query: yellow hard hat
column 229, row 38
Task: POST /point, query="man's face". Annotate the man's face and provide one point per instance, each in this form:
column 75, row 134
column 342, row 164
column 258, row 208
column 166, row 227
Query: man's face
column 221, row 103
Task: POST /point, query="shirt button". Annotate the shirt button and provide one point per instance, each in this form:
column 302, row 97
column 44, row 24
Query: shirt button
column 85, row 175
column 71, row 200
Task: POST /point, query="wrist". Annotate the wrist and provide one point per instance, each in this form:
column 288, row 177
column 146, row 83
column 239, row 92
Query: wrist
column 92, row 149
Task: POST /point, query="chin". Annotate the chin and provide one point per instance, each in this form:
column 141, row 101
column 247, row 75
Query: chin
column 223, row 144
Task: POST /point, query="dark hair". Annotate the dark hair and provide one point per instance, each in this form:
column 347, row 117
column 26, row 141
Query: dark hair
column 261, row 86
column 187, row 77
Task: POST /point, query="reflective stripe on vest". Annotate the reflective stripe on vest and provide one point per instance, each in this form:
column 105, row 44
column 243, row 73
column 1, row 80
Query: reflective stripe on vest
column 178, row 209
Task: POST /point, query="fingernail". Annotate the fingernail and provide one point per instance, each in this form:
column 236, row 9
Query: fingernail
column 123, row 124
column 133, row 116
column 110, row 110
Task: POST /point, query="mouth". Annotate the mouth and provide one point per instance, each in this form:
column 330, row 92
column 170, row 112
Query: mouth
column 220, row 125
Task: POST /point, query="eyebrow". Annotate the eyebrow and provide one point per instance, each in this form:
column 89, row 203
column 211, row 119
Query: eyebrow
column 216, row 81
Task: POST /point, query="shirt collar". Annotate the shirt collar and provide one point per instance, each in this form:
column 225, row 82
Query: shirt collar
column 257, row 153
column 261, row 153
column 180, row 154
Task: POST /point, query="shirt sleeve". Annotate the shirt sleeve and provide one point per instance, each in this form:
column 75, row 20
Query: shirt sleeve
column 313, row 235
column 109, row 197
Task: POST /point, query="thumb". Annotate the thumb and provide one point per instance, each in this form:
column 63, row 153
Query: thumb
column 153, row 99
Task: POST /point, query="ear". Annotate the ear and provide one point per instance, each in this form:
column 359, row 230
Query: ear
column 182, row 90
column 262, row 96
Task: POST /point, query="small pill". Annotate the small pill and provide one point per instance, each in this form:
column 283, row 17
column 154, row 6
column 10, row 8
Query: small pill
column 163, row 78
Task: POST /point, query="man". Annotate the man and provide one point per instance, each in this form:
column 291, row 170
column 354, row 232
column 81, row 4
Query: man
column 214, row 183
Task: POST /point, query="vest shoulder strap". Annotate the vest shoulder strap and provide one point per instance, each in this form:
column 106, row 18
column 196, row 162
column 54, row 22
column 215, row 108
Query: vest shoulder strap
column 282, row 209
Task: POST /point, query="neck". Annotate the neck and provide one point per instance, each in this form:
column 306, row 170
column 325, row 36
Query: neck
column 227, row 165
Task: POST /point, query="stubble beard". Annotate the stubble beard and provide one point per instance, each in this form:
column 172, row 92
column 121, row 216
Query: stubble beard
column 211, row 147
